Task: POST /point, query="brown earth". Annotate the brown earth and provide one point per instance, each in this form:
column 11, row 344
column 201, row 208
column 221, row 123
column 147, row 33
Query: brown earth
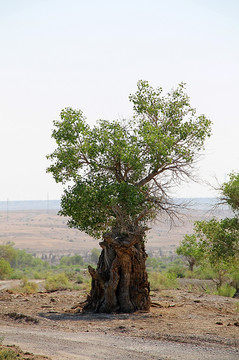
column 46, row 234
column 178, row 316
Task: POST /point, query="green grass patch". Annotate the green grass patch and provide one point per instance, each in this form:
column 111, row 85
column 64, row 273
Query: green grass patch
column 7, row 354
column 55, row 282
column 160, row 281
column 226, row 290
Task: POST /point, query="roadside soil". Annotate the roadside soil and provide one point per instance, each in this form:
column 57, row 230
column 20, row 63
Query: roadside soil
column 177, row 318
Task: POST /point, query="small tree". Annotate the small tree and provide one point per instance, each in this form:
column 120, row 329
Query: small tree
column 219, row 239
column 5, row 269
column 219, row 244
column 8, row 253
column 190, row 249
column 120, row 174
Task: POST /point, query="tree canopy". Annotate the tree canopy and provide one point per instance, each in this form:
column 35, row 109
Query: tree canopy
column 120, row 172
column 189, row 248
column 218, row 239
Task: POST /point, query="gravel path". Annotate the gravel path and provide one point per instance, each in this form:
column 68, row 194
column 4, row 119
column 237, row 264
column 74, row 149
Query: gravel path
column 61, row 345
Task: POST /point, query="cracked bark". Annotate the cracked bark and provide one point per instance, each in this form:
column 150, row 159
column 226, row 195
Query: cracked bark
column 120, row 281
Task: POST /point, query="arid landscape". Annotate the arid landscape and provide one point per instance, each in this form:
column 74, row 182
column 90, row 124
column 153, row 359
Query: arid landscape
column 181, row 324
column 185, row 323
column 45, row 234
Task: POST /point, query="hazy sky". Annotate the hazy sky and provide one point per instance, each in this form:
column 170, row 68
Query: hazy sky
column 90, row 55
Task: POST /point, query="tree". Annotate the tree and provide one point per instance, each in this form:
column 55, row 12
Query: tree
column 219, row 239
column 219, row 245
column 119, row 175
column 72, row 260
column 5, row 269
column 189, row 248
column 8, row 253
column 230, row 193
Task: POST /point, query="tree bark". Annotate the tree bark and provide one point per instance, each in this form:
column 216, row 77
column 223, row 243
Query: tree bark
column 236, row 295
column 120, row 282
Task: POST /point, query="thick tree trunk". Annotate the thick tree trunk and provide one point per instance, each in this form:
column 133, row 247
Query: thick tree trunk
column 120, row 282
column 236, row 295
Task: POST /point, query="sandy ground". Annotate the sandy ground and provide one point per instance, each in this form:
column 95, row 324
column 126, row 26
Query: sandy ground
column 46, row 233
column 180, row 325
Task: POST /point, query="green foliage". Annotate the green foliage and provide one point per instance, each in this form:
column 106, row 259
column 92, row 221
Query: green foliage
column 5, row 269
column 202, row 272
column 24, row 259
column 230, row 192
column 8, row 253
column 154, row 263
column 218, row 240
column 160, row 281
column 84, row 281
column 26, row 287
column 7, row 354
column 80, row 279
column 177, row 269
column 56, row 282
column 226, row 290
column 94, row 256
column 190, row 249
column 15, row 263
column 121, row 171
column 71, row 260
column 26, row 266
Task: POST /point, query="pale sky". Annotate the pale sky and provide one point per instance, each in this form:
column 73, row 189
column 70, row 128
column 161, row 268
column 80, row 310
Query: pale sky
column 90, row 55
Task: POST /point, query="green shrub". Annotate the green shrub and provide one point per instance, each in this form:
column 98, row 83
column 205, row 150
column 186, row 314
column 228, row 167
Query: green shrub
column 80, row 279
column 71, row 260
column 41, row 274
column 26, row 287
column 153, row 263
column 202, row 273
column 5, row 269
column 7, row 252
column 57, row 282
column 226, row 290
column 94, row 257
column 162, row 281
column 7, row 354
column 178, row 270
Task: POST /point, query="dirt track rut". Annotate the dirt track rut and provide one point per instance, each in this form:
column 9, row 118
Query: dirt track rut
column 61, row 345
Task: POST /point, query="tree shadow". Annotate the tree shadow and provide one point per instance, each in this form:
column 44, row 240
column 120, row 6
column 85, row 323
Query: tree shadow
column 92, row 317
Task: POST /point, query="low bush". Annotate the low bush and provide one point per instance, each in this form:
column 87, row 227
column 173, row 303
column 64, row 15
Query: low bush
column 226, row 290
column 26, row 287
column 5, row 269
column 162, row 281
column 84, row 282
column 56, row 282
column 7, row 354
column 71, row 260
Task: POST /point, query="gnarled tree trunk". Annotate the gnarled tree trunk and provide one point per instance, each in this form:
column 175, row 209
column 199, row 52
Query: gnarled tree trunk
column 120, row 282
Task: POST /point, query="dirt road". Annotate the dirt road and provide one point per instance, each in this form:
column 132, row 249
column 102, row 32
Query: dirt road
column 61, row 345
